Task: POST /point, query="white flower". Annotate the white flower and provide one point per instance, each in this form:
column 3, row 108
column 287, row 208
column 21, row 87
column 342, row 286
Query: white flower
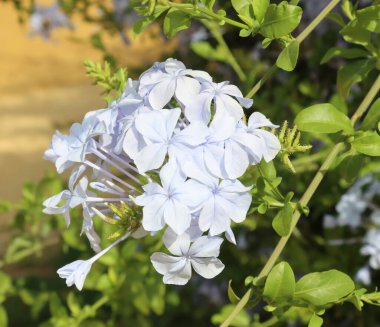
column 201, row 255
column 223, row 95
column 52, row 208
column 271, row 144
column 372, row 247
column 59, row 151
column 157, row 128
column 226, row 200
column 364, row 275
column 75, row 272
column 171, row 203
column 173, row 79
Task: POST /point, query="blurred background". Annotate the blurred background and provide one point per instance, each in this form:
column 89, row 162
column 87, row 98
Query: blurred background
column 44, row 87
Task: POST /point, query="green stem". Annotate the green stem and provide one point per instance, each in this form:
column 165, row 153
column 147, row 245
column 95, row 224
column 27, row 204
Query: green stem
column 215, row 30
column 303, row 202
column 274, row 189
column 190, row 9
column 241, row 304
column 268, row 323
column 260, row 83
column 306, row 198
column 302, row 36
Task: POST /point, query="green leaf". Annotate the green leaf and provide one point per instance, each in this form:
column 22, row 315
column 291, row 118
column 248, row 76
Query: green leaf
column 337, row 18
column 141, row 24
column 280, row 20
column 283, row 221
column 242, row 319
column 354, row 33
column 352, row 73
column 369, row 18
column 355, row 298
column 280, row 285
column 373, row 116
column 350, row 53
column 231, row 294
column 315, row 321
column 321, row 288
column 208, row 3
column 260, row 7
column 323, row 118
column 350, row 166
column 287, row 60
column 243, row 8
column 175, row 21
column 205, row 50
column 367, row 143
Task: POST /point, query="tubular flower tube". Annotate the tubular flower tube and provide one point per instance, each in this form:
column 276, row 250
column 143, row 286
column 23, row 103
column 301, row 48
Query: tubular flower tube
column 168, row 154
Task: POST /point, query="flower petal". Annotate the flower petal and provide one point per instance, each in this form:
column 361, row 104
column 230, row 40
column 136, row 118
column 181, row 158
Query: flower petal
column 207, row 267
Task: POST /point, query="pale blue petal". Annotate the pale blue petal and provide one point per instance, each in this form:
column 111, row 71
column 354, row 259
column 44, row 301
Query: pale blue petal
column 199, row 109
column 163, row 262
column 177, row 216
column 205, row 247
column 171, row 176
column 257, row 120
column 151, row 157
column 187, row 89
column 179, row 277
column 207, row 267
column 236, row 160
column 272, row 144
column 161, row 93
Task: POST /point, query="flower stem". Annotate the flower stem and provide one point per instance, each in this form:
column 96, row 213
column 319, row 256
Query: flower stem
column 302, row 36
column 305, row 199
column 230, row 58
column 191, row 9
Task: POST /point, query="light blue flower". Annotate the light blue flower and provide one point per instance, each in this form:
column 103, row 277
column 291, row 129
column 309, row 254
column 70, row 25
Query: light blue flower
column 173, row 202
column 201, row 255
column 227, row 99
column 171, row 79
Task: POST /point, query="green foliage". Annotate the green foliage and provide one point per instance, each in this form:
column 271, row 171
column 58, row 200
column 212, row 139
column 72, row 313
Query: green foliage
column 367, row 143
column 352, row 73
column 323, row 118
column 369, row 18
column 113, row 82
column 315, row 321
column 280, row 20
column 373, row 116
column 280, row 285
column 350, row 53
column 322, row 288
column 287, row 60
column 282, row 222
column 175, row 21
column 205, row 50
column 241, row 320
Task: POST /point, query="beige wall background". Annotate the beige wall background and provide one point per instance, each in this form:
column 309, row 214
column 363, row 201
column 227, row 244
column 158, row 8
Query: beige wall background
column 43, row 85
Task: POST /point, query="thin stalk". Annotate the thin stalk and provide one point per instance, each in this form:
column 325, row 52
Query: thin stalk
column 302, row 36
column 305, row 199
column 190, row 9
column 215, row 30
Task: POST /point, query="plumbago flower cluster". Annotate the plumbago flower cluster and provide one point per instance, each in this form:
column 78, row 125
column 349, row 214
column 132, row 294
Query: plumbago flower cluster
column 167, row 155
column 357, row 208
